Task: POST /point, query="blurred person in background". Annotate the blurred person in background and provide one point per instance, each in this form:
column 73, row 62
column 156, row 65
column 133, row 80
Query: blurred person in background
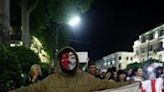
column 111, row 74
column 129, row 74
column 138, row 74
column 114, row 73
column 151, row 72
column 99, row 73
column 35, row 74
column 102, row 75
column 121, row 77
column 159, row 71
column 108, row 74
column 92, row 69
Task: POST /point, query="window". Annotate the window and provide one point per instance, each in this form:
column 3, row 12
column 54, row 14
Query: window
column 161, row 32
column 137, row 52
column 143, row 39
column 143, row 59
column 150, row 48
column 150, row 36
column 160, row 57
column 159, row 46
column 155, row 47
column 119, row 57
column 131, row 58
column 142, row 50
column 127, row 58
column 156, row 35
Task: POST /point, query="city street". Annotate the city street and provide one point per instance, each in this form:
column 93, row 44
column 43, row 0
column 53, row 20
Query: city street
column 81, row 46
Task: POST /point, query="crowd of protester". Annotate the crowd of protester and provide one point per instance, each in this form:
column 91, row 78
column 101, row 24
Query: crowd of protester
column 151, row 78
column 120, row 75
column 68, row 77
column 112, row 74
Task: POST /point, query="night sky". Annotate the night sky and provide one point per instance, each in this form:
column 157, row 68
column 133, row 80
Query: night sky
column 113, row 25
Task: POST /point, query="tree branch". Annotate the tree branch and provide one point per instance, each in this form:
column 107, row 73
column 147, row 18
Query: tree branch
column 33, row 7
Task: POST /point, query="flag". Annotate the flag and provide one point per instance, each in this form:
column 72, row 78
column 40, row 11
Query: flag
column 153, row 85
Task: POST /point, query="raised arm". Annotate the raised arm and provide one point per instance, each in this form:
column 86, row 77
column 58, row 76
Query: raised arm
column 98, row 84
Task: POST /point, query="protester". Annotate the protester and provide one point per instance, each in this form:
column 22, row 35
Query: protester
column 153, row 85
column 111, row 74
column 121, row 76
column 155, row 81
column 68, row 79
column 99, row 74
column 35, row 74
column 114, row 73
column 138, row 74
column 129, row 74
column 92, row 69
column 108, row 74
column 159, row 71
column 102, row 75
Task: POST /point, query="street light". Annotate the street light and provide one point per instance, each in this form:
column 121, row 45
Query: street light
column 73, row 22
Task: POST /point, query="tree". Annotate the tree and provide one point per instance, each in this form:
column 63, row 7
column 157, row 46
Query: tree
column 41, row 18
column 27, row 6
column 143, row 64
column 4, row 21
column 45, row 13
column 50, row 14
column 15, row 63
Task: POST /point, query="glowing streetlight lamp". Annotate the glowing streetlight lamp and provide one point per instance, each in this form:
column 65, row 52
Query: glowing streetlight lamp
column 74, row 21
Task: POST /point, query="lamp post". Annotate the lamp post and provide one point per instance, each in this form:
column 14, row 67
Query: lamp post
column 73, row 22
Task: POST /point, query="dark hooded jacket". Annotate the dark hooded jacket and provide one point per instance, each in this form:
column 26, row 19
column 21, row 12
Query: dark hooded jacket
column 75, row 82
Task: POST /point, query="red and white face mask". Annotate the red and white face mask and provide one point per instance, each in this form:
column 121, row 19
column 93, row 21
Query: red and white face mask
column 68, row 61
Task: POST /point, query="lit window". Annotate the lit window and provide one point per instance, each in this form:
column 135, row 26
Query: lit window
column 156, row 35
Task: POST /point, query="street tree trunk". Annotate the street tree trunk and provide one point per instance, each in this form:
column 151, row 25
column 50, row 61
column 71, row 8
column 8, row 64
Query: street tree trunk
column 25, row 16
column 25, row 24
column 5, row 21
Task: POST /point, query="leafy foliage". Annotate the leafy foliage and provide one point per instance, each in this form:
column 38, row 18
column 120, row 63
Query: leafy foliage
column 15, row 61
column 46, row 17
column 44, row 68
column 49, row 14
column 142, row 64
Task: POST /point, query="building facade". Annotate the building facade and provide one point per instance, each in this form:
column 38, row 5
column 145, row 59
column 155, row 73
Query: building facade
column 150, row 45
column 119, row 59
